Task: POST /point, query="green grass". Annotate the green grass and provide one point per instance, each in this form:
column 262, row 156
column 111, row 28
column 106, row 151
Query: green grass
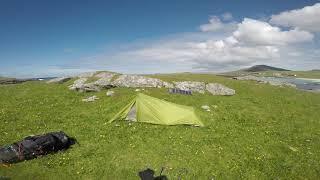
column 263, row 132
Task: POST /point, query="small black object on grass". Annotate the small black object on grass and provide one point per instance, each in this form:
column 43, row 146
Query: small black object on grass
column 148, row 174
column 34, row 146
column 179, row 91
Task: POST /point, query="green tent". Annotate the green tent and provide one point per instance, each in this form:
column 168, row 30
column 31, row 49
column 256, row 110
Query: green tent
column 148, row 109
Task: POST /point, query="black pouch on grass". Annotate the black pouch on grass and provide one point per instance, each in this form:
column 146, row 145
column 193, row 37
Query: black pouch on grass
column 34, row 146
column 148, row 174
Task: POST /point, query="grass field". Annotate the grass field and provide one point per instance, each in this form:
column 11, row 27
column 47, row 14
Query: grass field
column 263, row 132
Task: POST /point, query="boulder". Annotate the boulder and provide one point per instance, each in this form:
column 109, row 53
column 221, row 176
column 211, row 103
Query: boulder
column 205, row 107
column 110, row 93
column 219, row 89
column 191, row 86
column 89, row 87
column 90, row 99
column 167, row 85
column 81, row 86
column 104, row 82
column 59, row 80
column 137, row 81
column 78, row 84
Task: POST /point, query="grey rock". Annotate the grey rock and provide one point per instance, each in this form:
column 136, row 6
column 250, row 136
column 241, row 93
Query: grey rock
column 167, row 85
column 219, row 89
column 90, row 99
column 59, row 80
column 81, row 86
column 137, row 81
column 110, row 93
column 78, row 84
column 191, row 86
column 104, row 82
column 205, row 107
column 89, row 87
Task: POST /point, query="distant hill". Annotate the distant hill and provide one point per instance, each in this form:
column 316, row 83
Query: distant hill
column 5, row 80
column 8, row 80
column 259, row 68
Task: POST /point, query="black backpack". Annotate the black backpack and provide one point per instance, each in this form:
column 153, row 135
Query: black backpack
column 148, row 174
column 34, row 146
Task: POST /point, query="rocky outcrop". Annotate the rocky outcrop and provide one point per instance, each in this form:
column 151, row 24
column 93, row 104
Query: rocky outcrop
column 167, row 85
column 89, row 87
column 86, row 74
column 59, row 80
column 105, row 79
column 103, row 83
column 201, row 87
column 219, row 89
column 107, row 75
column 193, row 86
column 78, row 84
column 137, row 81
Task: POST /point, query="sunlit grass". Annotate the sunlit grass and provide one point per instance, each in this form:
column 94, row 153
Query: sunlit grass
column 263, row 132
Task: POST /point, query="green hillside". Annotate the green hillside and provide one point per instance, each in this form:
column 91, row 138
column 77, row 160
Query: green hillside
column 262, row 132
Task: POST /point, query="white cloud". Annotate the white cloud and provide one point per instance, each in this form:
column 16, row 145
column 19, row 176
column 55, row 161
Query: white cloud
column 227, row 16
column 235, row 54
column 306, row 18
column 253, row 41
column 205, row 55
column 257, row 32
column 215, row 24
column 221, row 45
column 231, row 40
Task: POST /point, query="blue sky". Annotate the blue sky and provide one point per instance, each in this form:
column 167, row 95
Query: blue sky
column 53, row 38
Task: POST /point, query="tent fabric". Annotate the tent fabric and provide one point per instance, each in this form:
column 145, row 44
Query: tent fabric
column 157, row 111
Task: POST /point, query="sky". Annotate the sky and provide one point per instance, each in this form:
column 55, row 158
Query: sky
column 41, row 38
